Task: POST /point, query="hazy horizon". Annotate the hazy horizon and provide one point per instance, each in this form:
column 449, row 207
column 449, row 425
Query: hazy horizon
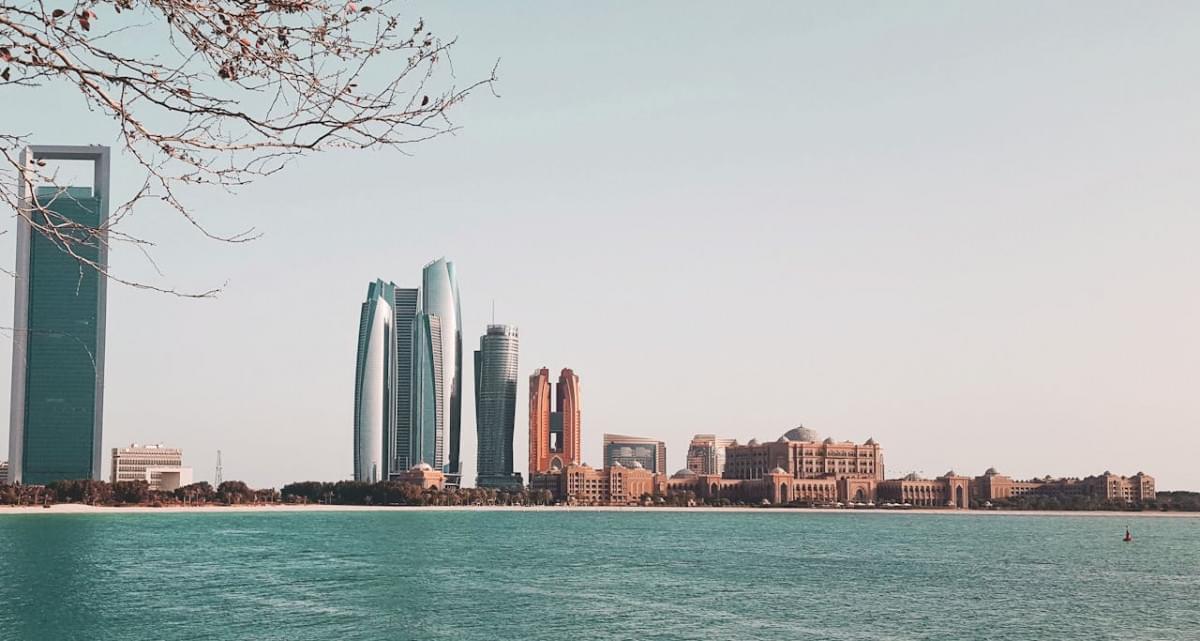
column 967, row 231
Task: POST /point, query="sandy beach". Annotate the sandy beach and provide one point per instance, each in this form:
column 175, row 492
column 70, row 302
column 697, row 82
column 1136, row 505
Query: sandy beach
column 73, row 508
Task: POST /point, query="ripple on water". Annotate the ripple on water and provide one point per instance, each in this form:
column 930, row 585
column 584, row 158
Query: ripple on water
column 468, row 576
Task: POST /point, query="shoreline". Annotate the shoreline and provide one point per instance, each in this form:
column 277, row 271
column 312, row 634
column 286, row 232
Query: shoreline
column 76, row 508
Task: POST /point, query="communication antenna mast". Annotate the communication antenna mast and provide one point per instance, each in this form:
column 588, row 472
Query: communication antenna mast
column 217, row 476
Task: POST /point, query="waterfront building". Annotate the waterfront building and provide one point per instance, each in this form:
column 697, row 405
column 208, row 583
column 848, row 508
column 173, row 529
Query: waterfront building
column 803, row 457
column 496, row 407
column 158, row 465
column 440, row 300
column 406, row 303
column 57, row 407
column 554, row 436
column 426, row 440
column 407, row 405
column 628, row 450
column 374, row 384
column 796, row 468
column 615, row 485
column 1139, row 488
column 706, row 453
column 947, row 490
column 168, row 479
column 992, row 486
column 422, row 474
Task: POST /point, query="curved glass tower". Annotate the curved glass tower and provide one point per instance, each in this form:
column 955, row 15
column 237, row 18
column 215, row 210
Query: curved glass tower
column 374, row 408
column 496, row 407
column 439, row 297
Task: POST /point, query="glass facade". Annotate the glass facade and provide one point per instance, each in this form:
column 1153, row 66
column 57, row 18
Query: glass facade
column 406, row 388
column 496, row 405
column 439, row 297
column 374, row 397
column 404, row 313
column 427, row 394
column 58, row 355
column 627, row 450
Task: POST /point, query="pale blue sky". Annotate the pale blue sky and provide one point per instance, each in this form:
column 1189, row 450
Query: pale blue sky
column 968, row 230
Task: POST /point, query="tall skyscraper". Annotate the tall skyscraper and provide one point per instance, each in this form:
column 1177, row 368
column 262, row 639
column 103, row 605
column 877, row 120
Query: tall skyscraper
column 496, row 407
column 405, row 306
column 554, row 436
column 374, row 384
column 428, row 400
column 57, row 407
column 407, row 406
column 439, row 297
column 627, row 450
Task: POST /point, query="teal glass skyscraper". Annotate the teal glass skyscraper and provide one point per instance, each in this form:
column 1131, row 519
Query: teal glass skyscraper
column 57, row 411
column 496, row 407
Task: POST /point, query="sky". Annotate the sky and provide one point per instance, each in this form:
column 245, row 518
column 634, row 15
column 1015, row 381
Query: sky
column 967, row 230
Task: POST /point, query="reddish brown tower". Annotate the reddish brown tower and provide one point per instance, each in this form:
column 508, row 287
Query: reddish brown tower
column 554, row 436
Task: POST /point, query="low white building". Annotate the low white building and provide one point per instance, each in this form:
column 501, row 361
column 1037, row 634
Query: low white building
column 3, row 472
column 168, row 479
column 146, row 463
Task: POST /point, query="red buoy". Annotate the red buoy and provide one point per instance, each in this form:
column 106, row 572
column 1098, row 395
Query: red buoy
column 1128, row 537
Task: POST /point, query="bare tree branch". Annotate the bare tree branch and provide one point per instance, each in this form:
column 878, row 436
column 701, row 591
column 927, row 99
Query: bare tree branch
column 238, row 89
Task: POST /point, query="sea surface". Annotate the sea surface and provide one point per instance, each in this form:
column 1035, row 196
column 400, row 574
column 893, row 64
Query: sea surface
column 564, row 576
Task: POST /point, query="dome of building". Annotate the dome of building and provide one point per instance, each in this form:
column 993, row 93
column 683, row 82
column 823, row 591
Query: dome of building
column 913, row 476
column 779, row 470
column 753, row 442
column 870, row 441
column 801, row 433
column 950, row 473
column 991, row 471
column 783, row 439
column 828, row 440
column 637, row 465
column 421, row 467
column 617, row 464
column 684, row 474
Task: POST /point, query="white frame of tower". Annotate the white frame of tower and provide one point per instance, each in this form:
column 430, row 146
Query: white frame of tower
column 100, row 157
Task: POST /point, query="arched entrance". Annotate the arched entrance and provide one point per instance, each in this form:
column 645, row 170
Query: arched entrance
column 958, row 498
column 716, row 490
column 860, row 496
column 783, row 493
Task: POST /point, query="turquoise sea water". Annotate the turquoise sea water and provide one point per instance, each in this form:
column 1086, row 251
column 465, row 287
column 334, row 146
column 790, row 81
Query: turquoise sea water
column 777, row 575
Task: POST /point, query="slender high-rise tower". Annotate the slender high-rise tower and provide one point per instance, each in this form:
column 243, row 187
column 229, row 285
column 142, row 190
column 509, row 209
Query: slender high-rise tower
column 374, row 384
column 554, row 436
column 439, row 297
column 426, row 443
column 541, row 405
column 57, row 409
column 496, row 407
column 406, row 303
column 571, row 415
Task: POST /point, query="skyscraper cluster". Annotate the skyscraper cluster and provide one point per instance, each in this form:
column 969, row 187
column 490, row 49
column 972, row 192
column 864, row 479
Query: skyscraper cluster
column 407, row 392
column 407, row 384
